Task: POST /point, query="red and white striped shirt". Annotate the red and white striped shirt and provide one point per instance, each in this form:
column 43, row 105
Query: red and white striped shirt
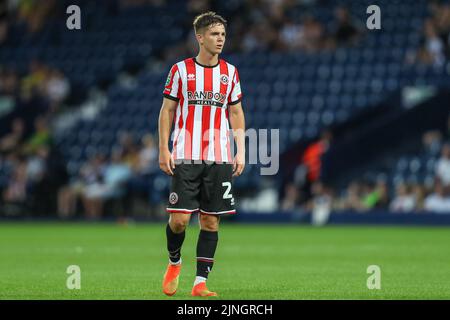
column 204, row 95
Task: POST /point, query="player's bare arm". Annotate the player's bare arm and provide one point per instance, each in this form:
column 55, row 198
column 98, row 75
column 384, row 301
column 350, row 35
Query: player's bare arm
column 166, row 162
column 237, row 122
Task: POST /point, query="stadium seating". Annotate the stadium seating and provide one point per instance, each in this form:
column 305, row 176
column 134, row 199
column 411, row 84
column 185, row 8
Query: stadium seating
column 108, row 41
column 299, row 93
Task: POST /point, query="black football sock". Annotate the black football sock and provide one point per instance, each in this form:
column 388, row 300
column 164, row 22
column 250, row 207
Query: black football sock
column 174, row 243
column 206, row 247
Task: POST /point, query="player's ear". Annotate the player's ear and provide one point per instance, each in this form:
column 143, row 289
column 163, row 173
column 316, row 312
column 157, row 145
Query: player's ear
column 199, row 37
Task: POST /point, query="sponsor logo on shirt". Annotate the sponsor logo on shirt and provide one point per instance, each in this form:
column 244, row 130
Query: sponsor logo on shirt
column 208, row 98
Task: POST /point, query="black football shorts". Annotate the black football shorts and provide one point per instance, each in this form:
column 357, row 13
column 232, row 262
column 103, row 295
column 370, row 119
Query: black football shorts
column 202, row 187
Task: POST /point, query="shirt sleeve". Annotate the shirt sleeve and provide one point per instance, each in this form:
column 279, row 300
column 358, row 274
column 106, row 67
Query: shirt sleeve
column 171, row 88
column 236, row 94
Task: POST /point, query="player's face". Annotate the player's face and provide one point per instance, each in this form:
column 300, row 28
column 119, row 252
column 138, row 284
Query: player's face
column 213, row 39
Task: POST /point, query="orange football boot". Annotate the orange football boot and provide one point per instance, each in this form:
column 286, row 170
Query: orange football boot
column 170, row 281
column 200, row 290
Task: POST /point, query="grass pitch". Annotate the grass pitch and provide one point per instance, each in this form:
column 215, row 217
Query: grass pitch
column 252, row 261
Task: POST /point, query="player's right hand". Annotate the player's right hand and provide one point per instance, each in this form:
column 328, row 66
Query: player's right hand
column 166, row 162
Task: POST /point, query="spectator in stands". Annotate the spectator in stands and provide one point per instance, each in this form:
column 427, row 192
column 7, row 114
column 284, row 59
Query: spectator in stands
column 113, row 186
column 67, row 201
column 57, row 88
column 41, row 136
column 291, row 198
column 16, row 190
column 421, row 56
column 321, row 204
column 376, row 195
column 312, row 38
column 431, row 50
column 352, row 198
column 141, row 182
column 34, row 81
column 92, row 187
column 320, row 195
column 443, row 166
column 439, row 200
column 4, row 23
column 128, row 149
column 291, row 35
column 346, row 30
column 91, row 173
column 36, row 164
column 9, row 83
column 45, row 177
column 13, row 140
column 420, row 193
column 50, row 175
column 434, row 44
column 148, row 156
column 259, row 37
column 432, row 141
column 404, row 200
column 198, row 6
column 441, row 20
column 35, row 13
column 250, row 41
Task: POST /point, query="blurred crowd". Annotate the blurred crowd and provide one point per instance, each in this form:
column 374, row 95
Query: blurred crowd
column 32, row 13
column 31, row 169
column 307, row 190
column 34, row 177
column 117, row 179
column 42, row 88
column 269, row 26
column 435, row 44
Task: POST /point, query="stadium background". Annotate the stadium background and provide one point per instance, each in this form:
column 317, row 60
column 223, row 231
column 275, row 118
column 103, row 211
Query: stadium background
column 364, row 131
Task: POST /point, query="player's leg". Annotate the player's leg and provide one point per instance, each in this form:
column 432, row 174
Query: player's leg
column 183, row 201
column 206, row 248
column 216, row 199
column 175, row 233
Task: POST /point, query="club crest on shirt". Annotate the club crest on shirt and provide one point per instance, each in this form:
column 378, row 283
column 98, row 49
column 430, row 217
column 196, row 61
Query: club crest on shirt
column 224, row 79
column 173, row 198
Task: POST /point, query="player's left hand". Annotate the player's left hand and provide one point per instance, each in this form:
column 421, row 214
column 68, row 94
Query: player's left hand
column 238, row 164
